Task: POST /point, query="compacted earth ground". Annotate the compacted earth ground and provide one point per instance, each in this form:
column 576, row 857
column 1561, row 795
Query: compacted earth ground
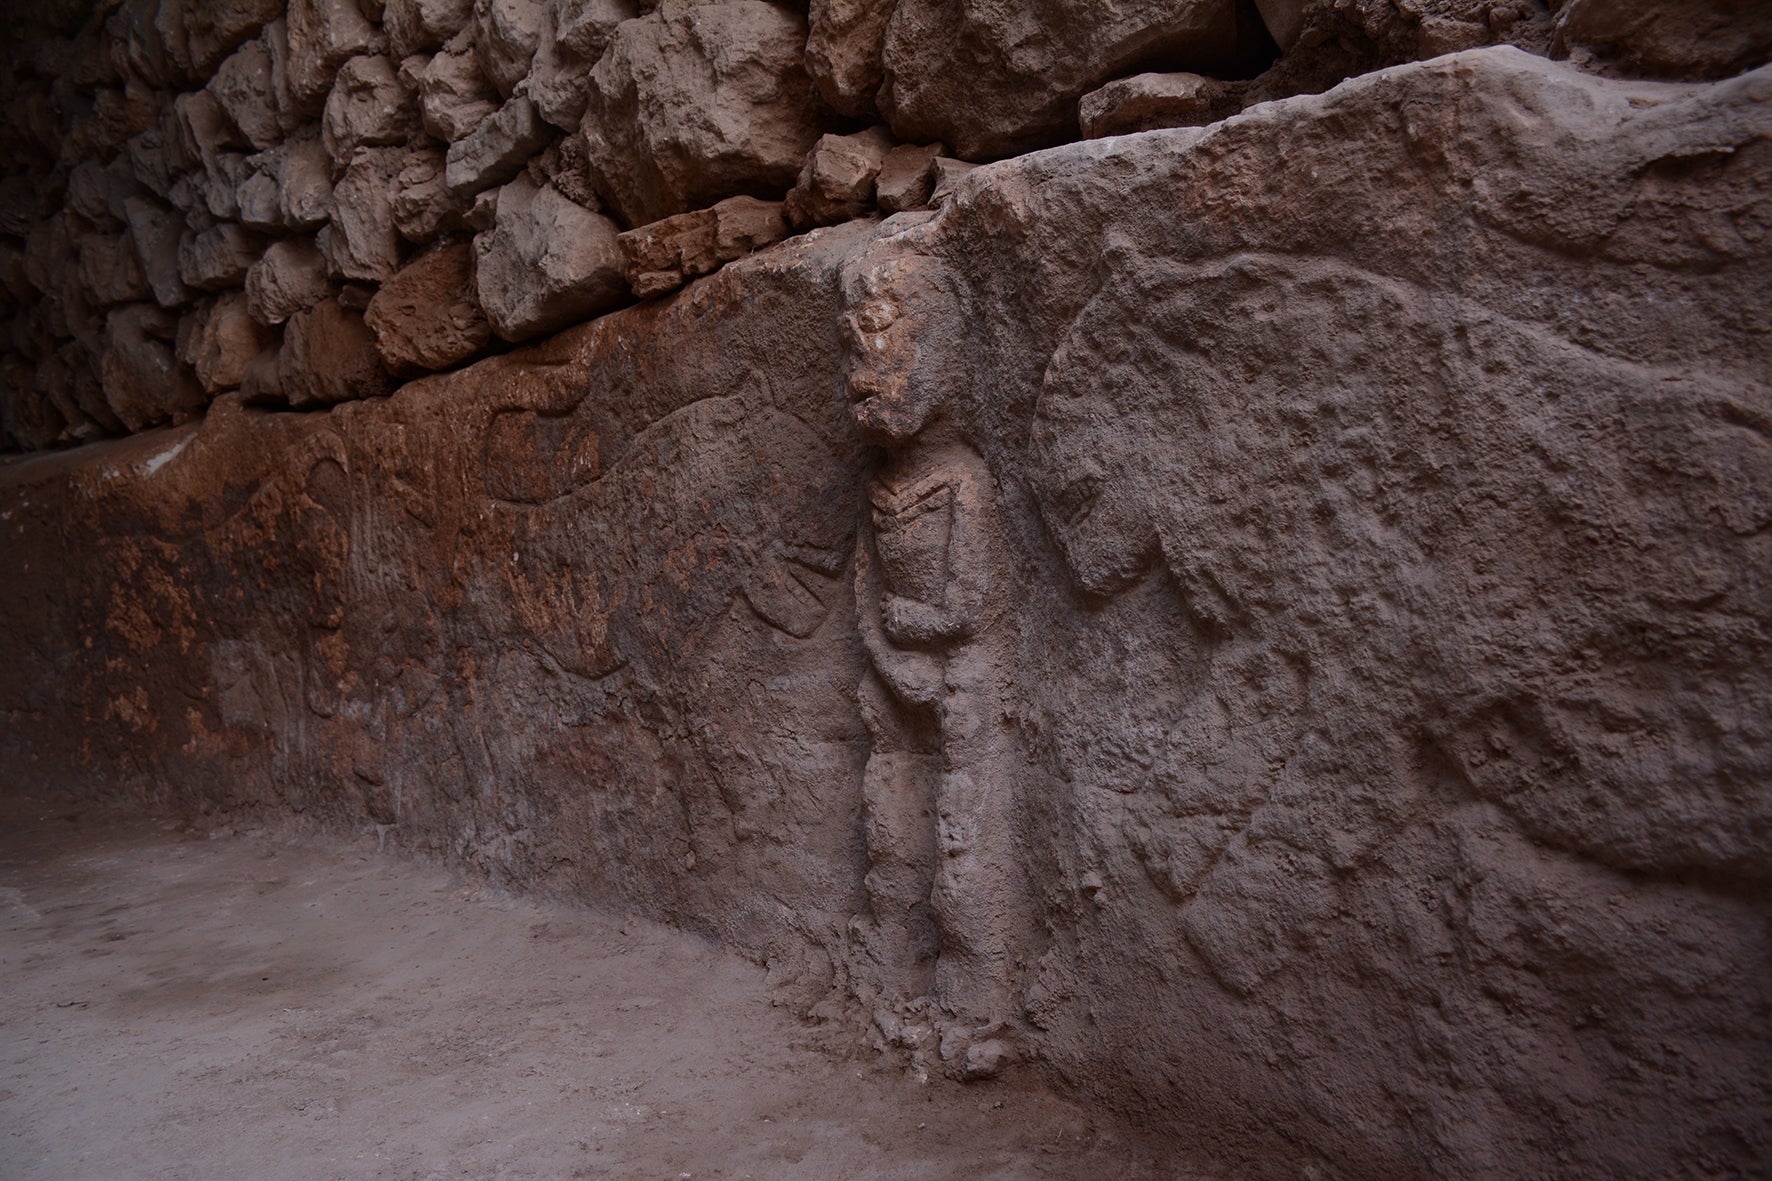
column 191, row 1004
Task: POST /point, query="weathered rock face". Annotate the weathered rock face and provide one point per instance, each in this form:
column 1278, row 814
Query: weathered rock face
column 1267, row 620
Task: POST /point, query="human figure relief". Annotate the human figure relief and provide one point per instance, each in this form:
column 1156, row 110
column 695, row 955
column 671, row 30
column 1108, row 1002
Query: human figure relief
column 933, row 606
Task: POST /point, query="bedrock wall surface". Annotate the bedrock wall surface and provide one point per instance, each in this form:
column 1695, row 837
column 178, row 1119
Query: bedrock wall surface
column 1269, row 621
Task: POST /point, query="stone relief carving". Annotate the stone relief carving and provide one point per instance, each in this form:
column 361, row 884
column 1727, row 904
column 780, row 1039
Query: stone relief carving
column 941, row 786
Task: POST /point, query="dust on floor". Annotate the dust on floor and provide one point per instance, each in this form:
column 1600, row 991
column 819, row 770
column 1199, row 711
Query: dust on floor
column 175, row 1005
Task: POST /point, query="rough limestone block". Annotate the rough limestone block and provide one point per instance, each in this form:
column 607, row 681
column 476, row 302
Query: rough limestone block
column 323, row 35
column 205, row 130
column 360, row 241
column 291, row 277
column 262, row 383
column 546, row 263
column 574, row 35
column 904, row 181
column 260, row 196
column 109, row 271
column 1146, row 102
column 420, row 26
column 981, row 81
column 304, row 177
column 328, row 356
column 843, row 52
column 218, row 185
column 837, row 182
column 496, row 150
column 218, row 257
column 506, row 34
column 156, row 232
column 423, row 206
column 368, row 106
column 221, row 341
column 428, row 316
column 454, row 96
column 244, row 87
column 1671, row 38
column 143, row 382
column 693, row 103
column 659, row 258
column 210, row 29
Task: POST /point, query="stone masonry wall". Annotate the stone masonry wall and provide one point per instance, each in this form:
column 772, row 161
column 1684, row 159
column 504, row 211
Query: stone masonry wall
column 1240, row 578
column 307, row 203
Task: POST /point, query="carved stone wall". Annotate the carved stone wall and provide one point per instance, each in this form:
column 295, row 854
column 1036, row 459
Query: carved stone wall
column 1267, row 621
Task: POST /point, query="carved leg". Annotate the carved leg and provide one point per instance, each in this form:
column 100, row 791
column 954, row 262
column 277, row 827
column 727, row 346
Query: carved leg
column 980, row 897
column 898, row 790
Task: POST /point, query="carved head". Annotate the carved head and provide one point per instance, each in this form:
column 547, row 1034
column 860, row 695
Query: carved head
column 901, row 319
column 1092, row 471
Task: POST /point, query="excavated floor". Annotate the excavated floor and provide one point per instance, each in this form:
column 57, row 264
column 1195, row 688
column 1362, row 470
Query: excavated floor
column 176, row 1004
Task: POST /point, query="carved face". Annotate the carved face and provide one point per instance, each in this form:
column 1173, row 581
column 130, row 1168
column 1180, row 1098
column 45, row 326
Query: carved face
column 898, row 374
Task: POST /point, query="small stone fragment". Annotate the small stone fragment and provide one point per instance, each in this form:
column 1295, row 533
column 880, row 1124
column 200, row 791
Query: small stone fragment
column 218, row 257
column 290, row 278
column 986, row 1059
column 837, row 182
column 905, row 180
column 546, row 263
column 328, row 356
column 495, row 151
column 574, row 35
column 1146, row 102
column 428, row 316
column 262, row 383
column 661, row 257
column 843, row 50
column 260, row 199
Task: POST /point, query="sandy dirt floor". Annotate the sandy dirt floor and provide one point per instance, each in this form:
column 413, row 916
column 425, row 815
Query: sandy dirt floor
column 182, row 1005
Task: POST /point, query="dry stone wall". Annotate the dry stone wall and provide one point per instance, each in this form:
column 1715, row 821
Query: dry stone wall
column 1265, row 620
column 162, row 156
